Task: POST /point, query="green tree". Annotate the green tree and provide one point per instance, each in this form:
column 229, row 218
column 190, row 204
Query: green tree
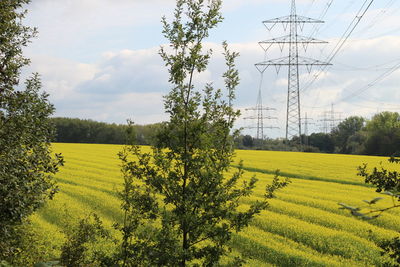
column 392, row 248
column 248, row 141
column 324, row 142
column 344, row 134
column 383, row 134
column 388, row 183
column 180, row 206
column 26, row 164
column 83, row 243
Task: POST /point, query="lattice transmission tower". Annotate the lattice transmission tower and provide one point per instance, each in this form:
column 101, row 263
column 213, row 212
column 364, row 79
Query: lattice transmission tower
column 260, row 116
column 294, row 23
column 306, row 122
column 330, row 119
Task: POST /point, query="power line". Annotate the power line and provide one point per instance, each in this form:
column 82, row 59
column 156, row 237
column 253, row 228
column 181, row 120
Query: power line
column 295, row 23
column 260, row 111
column 309, row 7
column 366, row 87
column 376, row 67
column 327, row 26
column 371, row 84
column 375, row 20
column 317, row 27
column 385, row 33
column 377, row 107
column 379, row 102
column 356, row 20
column 306, row 122
column 350, row 29
column 329, row 119
column 336, row 19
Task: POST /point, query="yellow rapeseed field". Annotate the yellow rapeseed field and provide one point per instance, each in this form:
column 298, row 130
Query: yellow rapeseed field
column 303, row 226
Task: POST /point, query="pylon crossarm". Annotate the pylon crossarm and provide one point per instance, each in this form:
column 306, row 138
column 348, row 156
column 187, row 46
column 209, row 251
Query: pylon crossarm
column 292, row 19
column 259, row 108
column 292, row 24
column 286, row 40
column 285, row 61
column 265, row 127
column 263, row 117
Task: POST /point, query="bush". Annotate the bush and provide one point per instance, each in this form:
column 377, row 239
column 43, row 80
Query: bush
column 86, row 243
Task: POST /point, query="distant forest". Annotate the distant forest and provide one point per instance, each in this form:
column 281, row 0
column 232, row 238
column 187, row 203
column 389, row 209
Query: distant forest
column 379, row 136
column 69, row 130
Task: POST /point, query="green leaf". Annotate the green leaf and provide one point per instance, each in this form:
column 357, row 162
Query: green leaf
column 373, row 201
column 345, row 206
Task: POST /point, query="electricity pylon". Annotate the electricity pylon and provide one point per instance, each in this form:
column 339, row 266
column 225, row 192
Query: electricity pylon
column 260, row 117
column 330, row 120
column 306, row 121
column 294, row 22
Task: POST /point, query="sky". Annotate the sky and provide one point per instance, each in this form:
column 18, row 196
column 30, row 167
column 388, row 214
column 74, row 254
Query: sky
column 99, row 60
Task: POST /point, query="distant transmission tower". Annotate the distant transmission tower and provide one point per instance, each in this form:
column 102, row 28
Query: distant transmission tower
column 260, row 115
column 293, row 61
column 330, row 120
column 307, row 121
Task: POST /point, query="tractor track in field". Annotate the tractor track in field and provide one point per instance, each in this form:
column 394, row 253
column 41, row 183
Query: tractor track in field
column 303, row 177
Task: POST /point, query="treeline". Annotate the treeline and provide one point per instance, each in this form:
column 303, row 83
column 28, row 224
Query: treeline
column 379, row 136
column 69, row 130
column 355, row 135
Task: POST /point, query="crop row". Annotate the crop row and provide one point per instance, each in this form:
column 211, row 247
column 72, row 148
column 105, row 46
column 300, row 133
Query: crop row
column 303, row 226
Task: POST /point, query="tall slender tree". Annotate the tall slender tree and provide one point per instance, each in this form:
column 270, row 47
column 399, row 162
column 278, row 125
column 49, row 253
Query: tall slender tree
column 181, row 200
column 26, row 163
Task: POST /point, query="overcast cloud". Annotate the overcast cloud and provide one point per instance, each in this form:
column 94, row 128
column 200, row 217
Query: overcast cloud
column 99, row 58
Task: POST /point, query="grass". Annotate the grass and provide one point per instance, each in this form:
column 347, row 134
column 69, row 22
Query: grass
column 303, row 226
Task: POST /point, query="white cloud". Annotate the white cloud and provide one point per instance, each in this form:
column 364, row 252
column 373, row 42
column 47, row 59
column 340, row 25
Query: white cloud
column 131, row 83
column 112, row 90
column 116, row 83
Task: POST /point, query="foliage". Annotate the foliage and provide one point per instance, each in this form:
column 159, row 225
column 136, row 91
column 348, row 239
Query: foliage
column 392, row 248
column 354, row 135
column 82, row 245
column 26, row 164
column 389, row 183
column 179, row 206
column 351, row 136
column 28, row 245
column 14, row 36
column 278, row 144
column 248, row 141
column 70, row 130
column 324, row 142
column 356, row 143
column 384, row 180
column 47, row 264
column 344, row 134
column 383, row 134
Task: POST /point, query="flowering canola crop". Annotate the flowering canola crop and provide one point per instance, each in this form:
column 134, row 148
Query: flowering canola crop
column 302, row 227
